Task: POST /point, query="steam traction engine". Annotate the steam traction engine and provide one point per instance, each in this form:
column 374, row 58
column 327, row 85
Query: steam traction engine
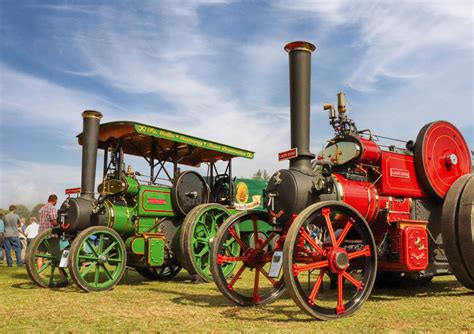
column 355, row 212
column 156, row 223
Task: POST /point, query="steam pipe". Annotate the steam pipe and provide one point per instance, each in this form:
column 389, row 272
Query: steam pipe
column 90, row 142
column 300, row 102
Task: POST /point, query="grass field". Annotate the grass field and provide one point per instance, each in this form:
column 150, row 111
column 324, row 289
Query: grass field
column 178, row 305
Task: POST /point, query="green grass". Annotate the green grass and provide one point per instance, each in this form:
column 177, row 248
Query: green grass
column 178, row 305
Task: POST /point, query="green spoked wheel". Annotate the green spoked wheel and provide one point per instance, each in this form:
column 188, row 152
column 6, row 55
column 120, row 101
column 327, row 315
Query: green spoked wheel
column 160, row 274
column 251, row 281
column 97, row 259
column 199, row 229
column 326, row 240
column 42, row 260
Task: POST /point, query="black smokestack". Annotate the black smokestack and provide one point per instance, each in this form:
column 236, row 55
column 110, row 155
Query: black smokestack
column 300, row 101
column 90, row 141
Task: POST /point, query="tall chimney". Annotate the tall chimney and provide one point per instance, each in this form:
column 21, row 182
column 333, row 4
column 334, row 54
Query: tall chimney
column 300, row 102
column 90, row 141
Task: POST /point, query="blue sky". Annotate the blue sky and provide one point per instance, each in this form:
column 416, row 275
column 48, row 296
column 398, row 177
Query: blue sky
column 217, row 69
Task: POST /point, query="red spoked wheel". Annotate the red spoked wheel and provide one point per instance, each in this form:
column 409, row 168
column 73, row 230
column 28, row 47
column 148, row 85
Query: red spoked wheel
column 239, row 245
column 329, row 241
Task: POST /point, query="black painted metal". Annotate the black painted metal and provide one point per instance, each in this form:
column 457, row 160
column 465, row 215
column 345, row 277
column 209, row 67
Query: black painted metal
column 300, row 102
column 89, row 151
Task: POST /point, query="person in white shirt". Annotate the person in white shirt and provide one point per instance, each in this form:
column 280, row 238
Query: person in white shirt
column 31, row 230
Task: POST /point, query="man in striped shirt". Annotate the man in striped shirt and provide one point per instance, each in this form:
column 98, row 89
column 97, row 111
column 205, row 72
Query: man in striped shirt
column 48, row 215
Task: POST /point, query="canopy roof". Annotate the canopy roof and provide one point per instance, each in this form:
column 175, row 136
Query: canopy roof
column 138, row 139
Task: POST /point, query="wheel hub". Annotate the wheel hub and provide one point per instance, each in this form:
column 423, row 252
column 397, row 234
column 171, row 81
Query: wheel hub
column 256, row 258
column 102, row 259
column 338, row 260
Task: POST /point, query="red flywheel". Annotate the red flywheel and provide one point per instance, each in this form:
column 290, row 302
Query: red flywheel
column 441, row 157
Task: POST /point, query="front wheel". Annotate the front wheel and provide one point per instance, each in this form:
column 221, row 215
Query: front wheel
column 329, row 240
column 241, row 265
column 42, row 260
column 97, row 259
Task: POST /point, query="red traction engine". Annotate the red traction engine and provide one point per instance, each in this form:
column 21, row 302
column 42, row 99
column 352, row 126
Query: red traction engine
column 358, row 212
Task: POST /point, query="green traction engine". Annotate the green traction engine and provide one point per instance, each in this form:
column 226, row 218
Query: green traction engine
column 157, row 223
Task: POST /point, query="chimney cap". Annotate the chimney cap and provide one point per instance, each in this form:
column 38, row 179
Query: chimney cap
column 91, row 114
column 300, row 46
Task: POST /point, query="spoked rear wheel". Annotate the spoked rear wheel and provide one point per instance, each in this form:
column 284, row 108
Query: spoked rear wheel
column 240, row 265
column 97, row 259
column 42, row 260
column 329, row 239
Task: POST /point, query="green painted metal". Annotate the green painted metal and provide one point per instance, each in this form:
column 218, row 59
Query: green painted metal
column 132, row 185
column 194, row 141
column 119, row 217
column 155, row 251
column 135, row 245
column 155, row 201
column 93, row 272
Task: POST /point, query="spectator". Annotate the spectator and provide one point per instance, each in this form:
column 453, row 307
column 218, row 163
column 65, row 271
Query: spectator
column 22, row 237
column 31, row 230
column 22, row 224
column 48, row 214
column 11, row 236
column 2, row 229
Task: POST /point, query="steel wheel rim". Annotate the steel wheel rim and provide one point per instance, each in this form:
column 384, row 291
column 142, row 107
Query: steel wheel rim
column 258, row 275
column 203, row 232
column 354, row 279
column 93, row 258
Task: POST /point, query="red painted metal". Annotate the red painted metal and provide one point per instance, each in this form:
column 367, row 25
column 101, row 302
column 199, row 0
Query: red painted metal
column 415, row 248
column 442, row 158
column 371, row 152
column 287, row 155
column 71, row 191
column 399, row 176
column 362, row 196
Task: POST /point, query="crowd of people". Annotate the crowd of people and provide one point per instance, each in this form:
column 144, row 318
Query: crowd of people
column 16, row 235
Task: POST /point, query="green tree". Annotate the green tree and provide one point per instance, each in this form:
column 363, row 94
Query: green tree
column 22, row 210
column 257, row 175
column 266, row 177
column 35, row 211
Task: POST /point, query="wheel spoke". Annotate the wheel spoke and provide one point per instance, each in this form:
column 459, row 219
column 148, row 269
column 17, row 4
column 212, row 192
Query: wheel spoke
column 101, row 243
column 311, row 241
column 108, row 249
column 356, row 283
column 267, row 241
column 326, row 213
column 44, row 266
column 265, row 273
column 255, row 231
column 255, row 296
column 311, row 266
column 86, row 257
column 107, row 272
column 236, row 276
column 114, row 260
column 97, row 274
column 346, row 229
column 44, row 256
column 363, row 252
column 91, row 247
column 317, row 285
column 222, row 258
column 340, row 309
column 51, row 278
column 234, row 234
column 88, row 268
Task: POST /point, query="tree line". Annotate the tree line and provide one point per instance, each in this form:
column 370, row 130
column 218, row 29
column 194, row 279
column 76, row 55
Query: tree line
column 23, row 211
